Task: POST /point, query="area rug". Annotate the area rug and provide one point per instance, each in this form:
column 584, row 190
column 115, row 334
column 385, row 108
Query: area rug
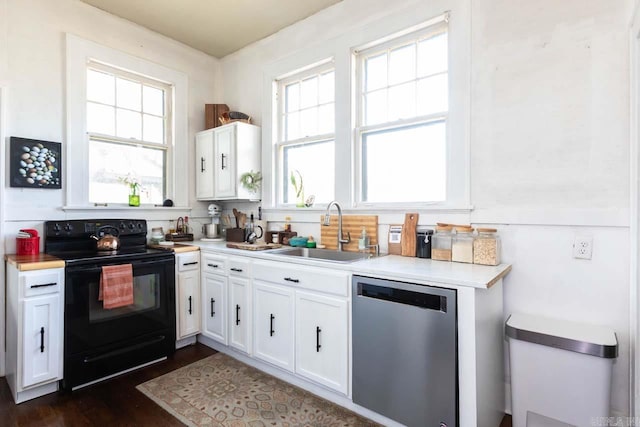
column 221, row 391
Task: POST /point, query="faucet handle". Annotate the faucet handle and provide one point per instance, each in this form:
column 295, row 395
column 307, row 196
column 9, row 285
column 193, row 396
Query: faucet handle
column 347, row 240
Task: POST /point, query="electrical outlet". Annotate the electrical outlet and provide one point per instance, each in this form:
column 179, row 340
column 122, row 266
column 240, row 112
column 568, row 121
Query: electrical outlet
column 583, row 247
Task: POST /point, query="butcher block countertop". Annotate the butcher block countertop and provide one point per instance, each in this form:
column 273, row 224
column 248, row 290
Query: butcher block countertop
column 40, row 261
column 177, row 248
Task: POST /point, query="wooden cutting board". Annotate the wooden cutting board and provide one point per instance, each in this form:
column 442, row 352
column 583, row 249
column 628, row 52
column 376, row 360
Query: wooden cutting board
column 409, row 234
column 352, row 224
column 253, row 246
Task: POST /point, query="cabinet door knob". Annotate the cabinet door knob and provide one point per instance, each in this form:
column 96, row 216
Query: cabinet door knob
column 222, row 162
column 237, row 314
column 213, row 313
column 190, row 308
column 42, row 339
column 201, row 164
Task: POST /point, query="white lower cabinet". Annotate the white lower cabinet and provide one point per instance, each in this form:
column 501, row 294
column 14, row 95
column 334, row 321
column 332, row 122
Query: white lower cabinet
column 188, row 294
column 42, row 336
column 35, row 321
column 240, row 310
column 273, row 323
column 291, row 316
column 214, row 307
column 322, row 352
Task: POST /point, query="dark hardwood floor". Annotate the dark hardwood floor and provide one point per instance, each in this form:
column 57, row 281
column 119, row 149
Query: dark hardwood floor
column 115, row 402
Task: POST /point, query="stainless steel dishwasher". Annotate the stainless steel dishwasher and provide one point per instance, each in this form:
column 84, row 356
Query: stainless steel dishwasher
column 405, row 354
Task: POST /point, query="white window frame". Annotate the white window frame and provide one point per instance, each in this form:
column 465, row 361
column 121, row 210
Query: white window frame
column 342, row 48
column 280, row 143
column 76, row 147
column 440, row 26
column 166, row 145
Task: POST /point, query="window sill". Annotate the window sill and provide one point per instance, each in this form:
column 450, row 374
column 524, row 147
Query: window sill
column 115, row 207
column 366, row 209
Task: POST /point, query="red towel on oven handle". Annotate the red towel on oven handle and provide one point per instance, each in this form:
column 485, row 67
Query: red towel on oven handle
column 116, row 286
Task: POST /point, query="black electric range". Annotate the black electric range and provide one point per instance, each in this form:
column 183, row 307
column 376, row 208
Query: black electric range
column 101, row 342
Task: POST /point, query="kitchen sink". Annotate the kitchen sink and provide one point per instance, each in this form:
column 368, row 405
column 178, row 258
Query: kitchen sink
column 324, row 254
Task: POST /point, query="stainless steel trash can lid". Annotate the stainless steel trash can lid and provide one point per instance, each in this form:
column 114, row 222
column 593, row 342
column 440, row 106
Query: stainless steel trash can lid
column 571, row 336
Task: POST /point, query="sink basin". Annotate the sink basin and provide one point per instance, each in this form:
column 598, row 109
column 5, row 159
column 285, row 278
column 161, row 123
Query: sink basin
column 324, row 254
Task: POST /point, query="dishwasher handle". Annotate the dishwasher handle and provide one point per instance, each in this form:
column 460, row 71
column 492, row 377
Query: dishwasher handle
column 423, row 300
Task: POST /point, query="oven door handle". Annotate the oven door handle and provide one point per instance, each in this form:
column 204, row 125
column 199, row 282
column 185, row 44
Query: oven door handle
column 98, row 269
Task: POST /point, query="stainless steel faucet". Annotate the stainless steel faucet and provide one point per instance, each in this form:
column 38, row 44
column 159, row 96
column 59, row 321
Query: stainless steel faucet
column 327, row 219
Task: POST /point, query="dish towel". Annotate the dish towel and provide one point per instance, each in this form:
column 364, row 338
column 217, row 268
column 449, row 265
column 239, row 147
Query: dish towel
column 116, row 286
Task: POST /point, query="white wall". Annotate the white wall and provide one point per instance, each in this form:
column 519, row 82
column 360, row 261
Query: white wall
column 549, row 145
column 34, row 71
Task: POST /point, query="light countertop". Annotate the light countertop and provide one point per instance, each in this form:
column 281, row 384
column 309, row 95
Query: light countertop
column 388, row 266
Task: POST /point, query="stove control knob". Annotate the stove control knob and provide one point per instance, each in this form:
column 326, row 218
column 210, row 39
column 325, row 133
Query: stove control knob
column 67, row 227
column 130, row 226
column 56, row 227
column 122, row 226
column 140, row 226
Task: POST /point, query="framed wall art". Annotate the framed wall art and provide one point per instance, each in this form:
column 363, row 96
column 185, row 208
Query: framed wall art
column 34, row 163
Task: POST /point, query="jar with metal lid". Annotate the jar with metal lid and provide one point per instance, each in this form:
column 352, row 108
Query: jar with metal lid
column 462, row 245
column 423, row 242
column 486, row 247
column 441, row 243
column 157, row 235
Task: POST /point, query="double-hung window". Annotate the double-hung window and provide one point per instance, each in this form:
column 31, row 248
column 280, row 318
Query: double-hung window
column 306, row 135
column 129, row 134
column 401, row 123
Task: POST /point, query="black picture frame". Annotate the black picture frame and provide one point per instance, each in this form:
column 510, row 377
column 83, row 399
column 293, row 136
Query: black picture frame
column 33, row 156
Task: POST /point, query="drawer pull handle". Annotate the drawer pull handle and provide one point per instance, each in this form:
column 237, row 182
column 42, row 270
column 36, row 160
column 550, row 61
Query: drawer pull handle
column 190, row 308
column 44, row 285
column 318, row 330
column 191, row 263
column 289, row 279
column 42, row 339
column 212, row 265
column 237, row 314
column 213, row 313
column 237, row 270
column 271, row 331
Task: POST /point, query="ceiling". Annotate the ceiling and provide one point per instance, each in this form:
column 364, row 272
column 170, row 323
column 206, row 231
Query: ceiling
column 213, row 26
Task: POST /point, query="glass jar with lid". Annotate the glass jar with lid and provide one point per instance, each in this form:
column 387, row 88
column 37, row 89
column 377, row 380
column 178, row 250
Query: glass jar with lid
column 157, row 235
column 462, row 245
column 486, row 247
column 441, row 243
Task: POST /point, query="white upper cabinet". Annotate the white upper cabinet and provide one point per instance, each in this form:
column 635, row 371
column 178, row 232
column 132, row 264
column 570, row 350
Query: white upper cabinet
column 223, row 155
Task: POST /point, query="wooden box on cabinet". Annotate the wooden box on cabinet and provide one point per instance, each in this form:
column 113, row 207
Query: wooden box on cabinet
column 212, row 113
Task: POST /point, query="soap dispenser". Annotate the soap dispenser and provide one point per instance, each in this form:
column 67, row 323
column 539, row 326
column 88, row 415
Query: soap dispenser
column 363, row 241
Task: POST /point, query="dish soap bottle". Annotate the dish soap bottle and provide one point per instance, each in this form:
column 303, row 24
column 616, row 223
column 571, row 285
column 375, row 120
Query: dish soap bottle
column 363, row 241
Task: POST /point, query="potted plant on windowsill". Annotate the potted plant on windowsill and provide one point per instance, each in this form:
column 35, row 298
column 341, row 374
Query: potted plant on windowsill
column 299, row 188
column 134, row 189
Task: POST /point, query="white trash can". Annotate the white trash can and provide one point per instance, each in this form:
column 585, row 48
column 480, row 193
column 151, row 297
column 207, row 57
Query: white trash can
column 560, row 371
